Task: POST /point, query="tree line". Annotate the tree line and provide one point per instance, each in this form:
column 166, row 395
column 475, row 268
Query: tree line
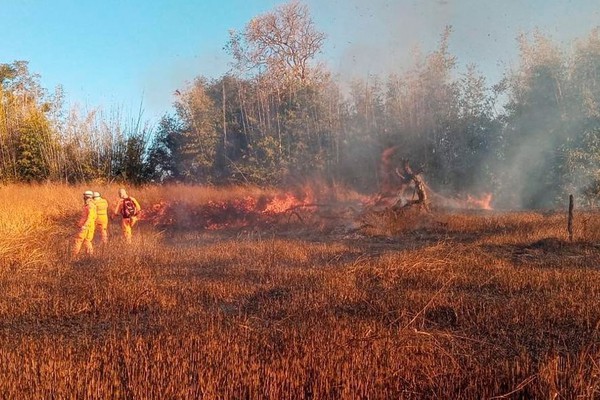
column 279, row 116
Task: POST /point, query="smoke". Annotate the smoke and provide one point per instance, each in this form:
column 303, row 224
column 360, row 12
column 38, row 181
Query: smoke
column 381, row 37
column 378, row 36
column 546, row 155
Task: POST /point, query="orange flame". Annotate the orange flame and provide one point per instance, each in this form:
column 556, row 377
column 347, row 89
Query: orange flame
column 287, row 201
column 482, row 203
column 237, row 212
column 281, row 204
column 265, row 209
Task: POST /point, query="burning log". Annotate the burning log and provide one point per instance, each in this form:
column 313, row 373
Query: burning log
column 408, row 175
column 396, row 181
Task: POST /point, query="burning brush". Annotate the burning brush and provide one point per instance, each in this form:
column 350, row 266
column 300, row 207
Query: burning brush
column 231, row 213
column 402, row 189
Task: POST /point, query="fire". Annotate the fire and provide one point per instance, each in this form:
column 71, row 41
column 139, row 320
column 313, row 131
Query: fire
column 281, row 204
column 268, row 209
column 237, row 212
column 156, row 212
column 482, row 203
column 287, row 201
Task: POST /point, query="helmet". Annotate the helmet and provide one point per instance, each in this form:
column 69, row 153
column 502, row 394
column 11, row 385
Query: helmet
column 88, row 193
column 96, row 195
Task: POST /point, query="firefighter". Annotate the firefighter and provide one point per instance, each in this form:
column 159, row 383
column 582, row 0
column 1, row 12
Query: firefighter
column 128, row 208
column 101, row 216
column 87, row 224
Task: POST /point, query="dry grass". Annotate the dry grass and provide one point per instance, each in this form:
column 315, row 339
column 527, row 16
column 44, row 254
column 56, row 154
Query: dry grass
column 467, row 306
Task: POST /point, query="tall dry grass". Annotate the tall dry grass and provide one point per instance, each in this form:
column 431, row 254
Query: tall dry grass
column 465, row 306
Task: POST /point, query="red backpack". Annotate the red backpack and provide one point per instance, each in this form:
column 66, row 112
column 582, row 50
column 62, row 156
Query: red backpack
column 128, row 209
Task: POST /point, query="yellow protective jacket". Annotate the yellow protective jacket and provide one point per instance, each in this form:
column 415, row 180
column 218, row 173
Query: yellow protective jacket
column 119, row 207
column 101, row 208
column 88, row 216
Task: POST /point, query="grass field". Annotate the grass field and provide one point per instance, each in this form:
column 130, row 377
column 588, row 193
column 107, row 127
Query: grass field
column 297, row 306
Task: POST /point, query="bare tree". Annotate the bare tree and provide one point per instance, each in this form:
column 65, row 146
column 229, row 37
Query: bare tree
column 282, row 43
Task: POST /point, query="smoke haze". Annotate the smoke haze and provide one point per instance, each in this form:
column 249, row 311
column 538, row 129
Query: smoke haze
column 382, row 37
column 378, row 36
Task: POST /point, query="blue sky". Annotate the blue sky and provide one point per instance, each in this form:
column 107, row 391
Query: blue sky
column 119, row 52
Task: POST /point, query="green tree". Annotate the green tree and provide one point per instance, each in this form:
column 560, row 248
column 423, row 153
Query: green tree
column 582, row 162
column 163, row 151
column 28, row 147
column 32, row 165
column 477, row 135
column 536, row 125
column 130, row 151
column 199, row 139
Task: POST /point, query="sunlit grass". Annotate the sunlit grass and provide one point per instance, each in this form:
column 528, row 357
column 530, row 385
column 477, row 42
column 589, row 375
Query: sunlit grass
column 438, row 306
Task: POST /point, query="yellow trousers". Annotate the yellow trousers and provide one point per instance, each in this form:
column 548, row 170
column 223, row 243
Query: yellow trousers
column 84, row 238
column 127, row 224
column 102, row 226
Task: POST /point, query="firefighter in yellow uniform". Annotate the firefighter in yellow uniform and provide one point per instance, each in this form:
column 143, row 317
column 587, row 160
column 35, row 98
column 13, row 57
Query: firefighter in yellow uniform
column 128, row 208
column 87, row 224
column 101, row 216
